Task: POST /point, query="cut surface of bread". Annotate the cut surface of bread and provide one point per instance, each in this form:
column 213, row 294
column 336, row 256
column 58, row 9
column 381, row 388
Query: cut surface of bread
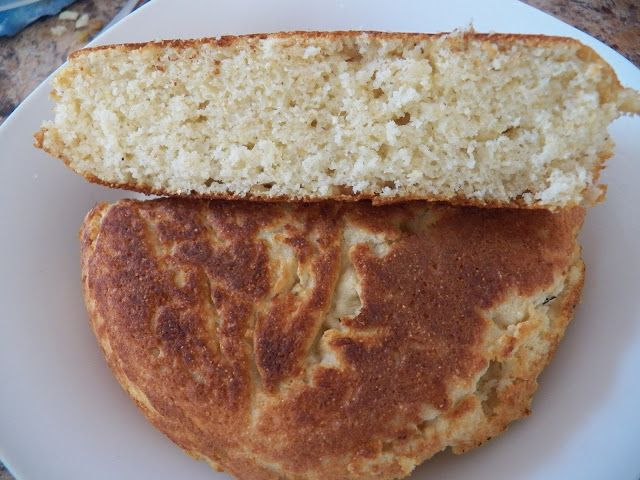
column 468, row 118
column 328, row 340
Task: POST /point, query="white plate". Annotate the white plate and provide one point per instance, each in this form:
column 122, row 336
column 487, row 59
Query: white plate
column 63, row 416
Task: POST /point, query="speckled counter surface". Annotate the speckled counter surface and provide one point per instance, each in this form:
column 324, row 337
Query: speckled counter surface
column 29, row 57
column 614, row 22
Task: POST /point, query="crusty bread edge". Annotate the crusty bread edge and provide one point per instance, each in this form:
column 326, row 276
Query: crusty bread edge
column 517, row 403
column 515, row 398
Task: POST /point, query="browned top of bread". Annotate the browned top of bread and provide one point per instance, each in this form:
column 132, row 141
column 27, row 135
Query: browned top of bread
column 328, row 340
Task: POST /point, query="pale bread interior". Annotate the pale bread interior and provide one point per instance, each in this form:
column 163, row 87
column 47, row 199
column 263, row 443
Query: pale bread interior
column 489, row 120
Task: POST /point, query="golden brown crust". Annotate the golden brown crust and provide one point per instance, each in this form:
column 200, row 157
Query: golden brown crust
column 230, row 325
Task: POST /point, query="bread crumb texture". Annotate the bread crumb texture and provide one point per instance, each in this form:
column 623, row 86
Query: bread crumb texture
column 469, row 118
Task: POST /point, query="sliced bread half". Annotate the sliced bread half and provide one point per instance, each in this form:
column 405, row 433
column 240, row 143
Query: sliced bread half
column 491, row 120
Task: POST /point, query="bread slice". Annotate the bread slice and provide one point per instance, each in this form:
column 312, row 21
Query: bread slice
column 329, row 340
column 502, row 120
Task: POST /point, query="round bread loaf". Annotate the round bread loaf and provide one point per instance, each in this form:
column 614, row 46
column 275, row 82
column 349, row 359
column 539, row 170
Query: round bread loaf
column 328, row 341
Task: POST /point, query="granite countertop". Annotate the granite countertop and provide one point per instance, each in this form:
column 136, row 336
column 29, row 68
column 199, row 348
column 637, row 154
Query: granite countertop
column 29, row 57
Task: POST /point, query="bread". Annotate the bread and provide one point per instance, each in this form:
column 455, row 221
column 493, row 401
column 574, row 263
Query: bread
column 330, row 340
column 492, row 120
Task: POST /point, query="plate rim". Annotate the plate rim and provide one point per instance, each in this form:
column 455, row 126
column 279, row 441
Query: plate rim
column 627, row 72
